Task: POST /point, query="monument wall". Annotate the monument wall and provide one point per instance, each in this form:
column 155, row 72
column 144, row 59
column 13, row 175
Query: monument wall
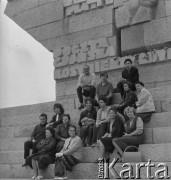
column 101, row 33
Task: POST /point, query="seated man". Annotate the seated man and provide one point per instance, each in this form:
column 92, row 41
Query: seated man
column 86, row 85
column 105, row 88
column 130, row 74
column 61, row 132
column 37, row 135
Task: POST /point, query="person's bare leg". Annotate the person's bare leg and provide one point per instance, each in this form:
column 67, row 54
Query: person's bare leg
column 35, row 168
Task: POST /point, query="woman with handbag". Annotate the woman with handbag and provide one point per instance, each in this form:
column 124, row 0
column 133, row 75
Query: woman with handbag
column 115, row 129
column 134, row 131
column 45, row 155
column 69, row 156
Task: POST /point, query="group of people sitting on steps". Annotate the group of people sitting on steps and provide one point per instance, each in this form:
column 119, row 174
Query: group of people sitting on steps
column 103, row 124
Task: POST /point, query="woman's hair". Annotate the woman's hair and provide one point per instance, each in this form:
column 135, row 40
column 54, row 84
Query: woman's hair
column 114, row 109
column 128, row 83
column 72, row 126
column 128, row 60
column 88, row 99
column 57, row 105
column 52, row 131
column 67, row 115
column 127, row 109
column 103, row 98
column 139, row 82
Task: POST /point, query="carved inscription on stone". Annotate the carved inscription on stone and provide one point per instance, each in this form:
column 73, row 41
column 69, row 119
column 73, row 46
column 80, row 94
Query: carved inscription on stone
column 100, row 57
column 79, row 6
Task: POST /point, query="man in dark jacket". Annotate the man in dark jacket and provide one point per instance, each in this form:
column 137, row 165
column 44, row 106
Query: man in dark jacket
column 130, row 74
column 37, row 135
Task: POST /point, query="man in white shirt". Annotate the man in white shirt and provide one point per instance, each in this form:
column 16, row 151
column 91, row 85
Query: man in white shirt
column 86, row 85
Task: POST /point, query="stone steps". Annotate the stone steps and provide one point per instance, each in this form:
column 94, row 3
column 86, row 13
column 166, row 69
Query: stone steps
column 79, row 171
column 68, row 101
column 90, row 155
column 152, row 136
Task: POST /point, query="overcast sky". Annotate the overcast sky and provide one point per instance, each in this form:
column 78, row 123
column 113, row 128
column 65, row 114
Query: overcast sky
column 26, row 67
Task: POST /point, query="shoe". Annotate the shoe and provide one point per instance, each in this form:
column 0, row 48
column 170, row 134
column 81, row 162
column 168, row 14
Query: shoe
column 39, row 177
column 34, row 177
column 81, row 106
column 25, row 164
column 94, row 145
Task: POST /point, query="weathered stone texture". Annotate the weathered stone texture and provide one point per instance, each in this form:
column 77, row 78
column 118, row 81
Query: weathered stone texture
column 91, row 19
column 157, row 32
column 17, row 6
column 156, row 152
column 48, row 31
column 168, row 7
column 132, row 39
column 41, row 15
column 79, row 37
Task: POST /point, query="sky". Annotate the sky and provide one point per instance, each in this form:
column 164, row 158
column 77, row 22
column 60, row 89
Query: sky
column 26, row 67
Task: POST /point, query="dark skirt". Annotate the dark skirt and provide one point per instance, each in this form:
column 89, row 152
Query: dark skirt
column 107, row 143
column 44, row 160
column 125, row 141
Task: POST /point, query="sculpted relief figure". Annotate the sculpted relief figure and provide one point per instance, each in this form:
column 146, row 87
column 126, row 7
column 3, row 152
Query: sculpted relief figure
column 135, row 11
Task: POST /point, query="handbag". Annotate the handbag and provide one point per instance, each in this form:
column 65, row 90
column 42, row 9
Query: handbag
column 133, row 156
column 59, row 168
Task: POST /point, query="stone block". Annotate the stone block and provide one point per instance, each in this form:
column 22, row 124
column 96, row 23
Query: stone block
column 161, row 92
column 166, row 105
column 159, row 120
column 132, row 39
column 108, row 2
column 23, row 131
column 157, row 33
column 41, row 15
column 160, row 10
column 67, row 3
column 156, row 152
column 6, row 133
column 162, row 135
column 118, row 3
column 90, row 20
column 15, row 171
column 79, row 37
column 14, row 144
column 122, row 17
column 148, row 136
column 11, row 157
column 48, row 31
column 168, row 7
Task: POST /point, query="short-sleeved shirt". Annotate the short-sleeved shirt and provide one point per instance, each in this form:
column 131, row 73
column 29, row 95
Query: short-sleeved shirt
column 87, row 79
column 104, row 90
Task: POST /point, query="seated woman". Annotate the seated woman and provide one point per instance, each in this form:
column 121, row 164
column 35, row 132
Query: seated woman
column 102, row 121
column 57, row 118
column 129, row 98
column 145, row 104
column 69, row 155
column 87, row 121
column 61, row 132
column 134, row 132
column 45, row 155
column 115, row 129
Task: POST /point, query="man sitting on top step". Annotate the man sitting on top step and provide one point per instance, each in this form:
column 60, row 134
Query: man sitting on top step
column 37, row 135
column 86, row 85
